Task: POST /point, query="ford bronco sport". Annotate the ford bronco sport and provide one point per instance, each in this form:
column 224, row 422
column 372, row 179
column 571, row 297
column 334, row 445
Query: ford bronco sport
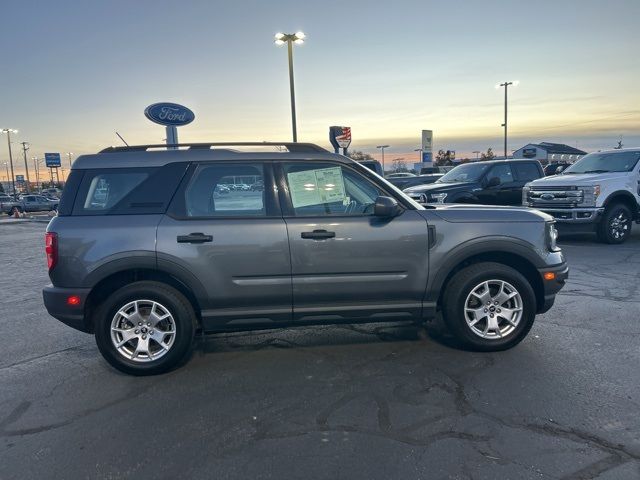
column 146, row 250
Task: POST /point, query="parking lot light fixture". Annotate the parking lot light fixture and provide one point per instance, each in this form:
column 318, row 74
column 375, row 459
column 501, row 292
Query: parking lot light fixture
column 9, row 131
column 382, row 147
column 506, row 86
column 290, row 39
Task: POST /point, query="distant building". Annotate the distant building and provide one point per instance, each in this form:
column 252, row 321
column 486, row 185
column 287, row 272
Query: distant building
column 547, row 152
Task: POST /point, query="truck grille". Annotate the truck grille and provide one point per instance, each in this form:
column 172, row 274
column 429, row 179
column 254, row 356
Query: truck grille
column 554, row 197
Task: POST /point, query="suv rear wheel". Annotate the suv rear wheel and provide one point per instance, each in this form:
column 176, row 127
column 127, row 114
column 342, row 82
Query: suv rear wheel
column 489, row 306
column 145, row 328
column 615, row 226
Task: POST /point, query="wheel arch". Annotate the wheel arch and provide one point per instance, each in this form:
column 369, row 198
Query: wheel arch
column 506, row 252
column 116, row 279
column 625, row 198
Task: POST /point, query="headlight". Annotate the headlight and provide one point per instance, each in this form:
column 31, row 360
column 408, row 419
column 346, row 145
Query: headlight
column 438, row 197
column 525, row 195
column 552, row 237
column 590, row 195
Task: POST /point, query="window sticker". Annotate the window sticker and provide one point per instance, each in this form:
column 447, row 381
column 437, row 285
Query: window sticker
column 314, row 187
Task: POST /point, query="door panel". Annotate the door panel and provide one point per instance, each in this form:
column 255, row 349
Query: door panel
column 231, row 239
column 372, row 267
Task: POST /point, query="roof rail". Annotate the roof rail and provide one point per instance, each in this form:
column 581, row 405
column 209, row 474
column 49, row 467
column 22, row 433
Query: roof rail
column 292, row 147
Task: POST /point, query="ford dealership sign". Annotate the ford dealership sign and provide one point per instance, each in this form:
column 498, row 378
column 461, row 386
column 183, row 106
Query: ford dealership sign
column 170, row 114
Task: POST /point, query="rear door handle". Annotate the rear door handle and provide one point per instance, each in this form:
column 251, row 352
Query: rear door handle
column 195, row 238
column 318, row 235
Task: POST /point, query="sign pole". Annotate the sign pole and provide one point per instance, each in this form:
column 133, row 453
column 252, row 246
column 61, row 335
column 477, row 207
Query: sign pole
column 172, row 135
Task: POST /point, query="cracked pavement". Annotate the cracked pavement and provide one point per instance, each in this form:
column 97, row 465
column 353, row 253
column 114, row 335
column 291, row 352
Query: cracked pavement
column 373, row 401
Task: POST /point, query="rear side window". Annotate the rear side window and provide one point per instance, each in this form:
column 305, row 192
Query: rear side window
column 127, row 191
column 525, row 172
column 226, row 190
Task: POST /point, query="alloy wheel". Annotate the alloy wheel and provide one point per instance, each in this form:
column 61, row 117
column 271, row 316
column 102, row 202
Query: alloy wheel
column 493, row 309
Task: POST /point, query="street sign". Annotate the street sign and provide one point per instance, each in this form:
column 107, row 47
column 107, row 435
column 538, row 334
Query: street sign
column 169, row 114
column 52, row 160
column 340, row 137
column 427, row 146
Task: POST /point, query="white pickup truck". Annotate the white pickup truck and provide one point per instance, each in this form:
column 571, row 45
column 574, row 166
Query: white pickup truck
column 600, row 192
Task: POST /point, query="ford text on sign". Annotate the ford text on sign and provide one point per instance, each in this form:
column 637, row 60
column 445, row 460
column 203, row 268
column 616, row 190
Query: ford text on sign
column 170, row 114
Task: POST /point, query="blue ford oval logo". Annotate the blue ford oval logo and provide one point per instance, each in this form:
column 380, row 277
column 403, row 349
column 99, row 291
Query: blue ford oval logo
column 169, row 114
column 547, row 196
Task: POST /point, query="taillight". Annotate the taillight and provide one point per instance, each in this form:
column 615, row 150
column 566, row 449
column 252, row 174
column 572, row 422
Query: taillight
column 51, row 248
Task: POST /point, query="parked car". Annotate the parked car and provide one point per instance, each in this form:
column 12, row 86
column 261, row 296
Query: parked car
column 439, row 169
column 555, row 168
column 599, row 193
column 405, row 182
column 51, row 192
column 10, row 205
column 372, row 165
column 38, row 203
column 495, row 182
column 327, row 241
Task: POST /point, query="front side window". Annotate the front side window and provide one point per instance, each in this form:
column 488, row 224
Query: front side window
column 226, row 190
column 503, row 172
column 526, row 172
column 329, row 189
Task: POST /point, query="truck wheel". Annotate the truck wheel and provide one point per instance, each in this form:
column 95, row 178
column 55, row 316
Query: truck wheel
column 145, row 328
column 615, row 226
column 489, row 306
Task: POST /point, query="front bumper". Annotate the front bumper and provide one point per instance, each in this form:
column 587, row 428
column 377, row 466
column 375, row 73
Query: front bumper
column 573, row 215
column 55, row 301
column 552, row 286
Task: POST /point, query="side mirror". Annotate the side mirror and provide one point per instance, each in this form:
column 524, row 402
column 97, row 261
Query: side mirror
column 493, row 182
column 386, row 207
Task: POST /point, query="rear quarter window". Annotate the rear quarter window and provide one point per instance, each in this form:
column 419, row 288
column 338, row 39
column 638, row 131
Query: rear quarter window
column 127, row 191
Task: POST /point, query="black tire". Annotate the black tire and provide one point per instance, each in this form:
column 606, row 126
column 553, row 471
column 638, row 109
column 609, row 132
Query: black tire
column 610, row 229
column 173, row 301
column 460, row 287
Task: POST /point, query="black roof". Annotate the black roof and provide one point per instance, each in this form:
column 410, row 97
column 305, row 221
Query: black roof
column 558, row 148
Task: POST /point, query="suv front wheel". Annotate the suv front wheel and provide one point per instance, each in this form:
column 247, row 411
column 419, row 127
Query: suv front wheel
column 145, row 328
column 489, row 306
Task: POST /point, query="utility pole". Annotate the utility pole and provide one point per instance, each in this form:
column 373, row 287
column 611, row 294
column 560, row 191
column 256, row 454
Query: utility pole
column 9, row 131
column 382, row 147
column 25, row 147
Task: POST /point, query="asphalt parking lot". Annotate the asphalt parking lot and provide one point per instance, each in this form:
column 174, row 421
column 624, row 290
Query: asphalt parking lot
column 368, row 401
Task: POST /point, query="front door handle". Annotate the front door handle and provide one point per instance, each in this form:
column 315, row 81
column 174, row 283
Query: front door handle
column 195, row 238
column 318, row 235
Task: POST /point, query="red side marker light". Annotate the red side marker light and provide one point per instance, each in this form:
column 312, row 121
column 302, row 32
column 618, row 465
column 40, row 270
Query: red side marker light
column 73, row 300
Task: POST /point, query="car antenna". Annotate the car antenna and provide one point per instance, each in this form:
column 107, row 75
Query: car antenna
column 123, row 140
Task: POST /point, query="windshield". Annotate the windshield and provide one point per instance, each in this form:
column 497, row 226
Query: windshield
column 469, row 172
column 604, row 163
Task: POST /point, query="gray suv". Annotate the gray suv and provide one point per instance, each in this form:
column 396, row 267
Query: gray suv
column 146, row 250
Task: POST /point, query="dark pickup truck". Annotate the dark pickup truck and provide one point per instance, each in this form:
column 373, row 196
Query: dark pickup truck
column 495, row 182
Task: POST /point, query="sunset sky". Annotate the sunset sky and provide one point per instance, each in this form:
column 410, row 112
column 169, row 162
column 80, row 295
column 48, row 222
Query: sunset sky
column 75, row 72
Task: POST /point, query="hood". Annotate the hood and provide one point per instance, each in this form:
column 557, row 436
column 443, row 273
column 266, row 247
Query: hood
column 440, row 187
column 459, row 213
column 578, row 178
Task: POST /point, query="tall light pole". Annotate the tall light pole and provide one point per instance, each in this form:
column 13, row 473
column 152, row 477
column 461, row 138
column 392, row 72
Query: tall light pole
column 37, row 170
column 9, row 131
column 506, row 87
column 290, row 39
column 382, row 147
column 25, row 147
column 6, row 165
column 69, row 155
